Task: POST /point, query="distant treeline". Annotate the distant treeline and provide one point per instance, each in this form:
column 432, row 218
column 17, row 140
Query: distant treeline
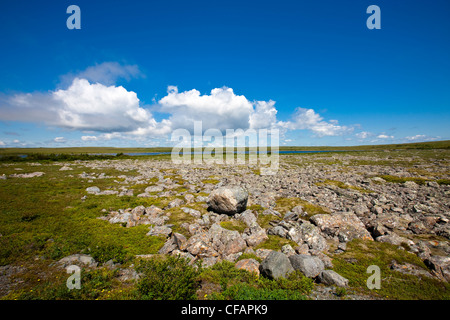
column 59, row 157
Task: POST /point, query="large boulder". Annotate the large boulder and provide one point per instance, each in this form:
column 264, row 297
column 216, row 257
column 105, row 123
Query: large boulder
column 228, row 200
column 310, row 266
column 276, row 265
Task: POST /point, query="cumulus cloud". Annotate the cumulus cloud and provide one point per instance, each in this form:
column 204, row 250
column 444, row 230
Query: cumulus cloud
column 221, row 109
column 308, row 119
column 82, row 106
column 2, row 143
column 93, row 104
column 86, row 106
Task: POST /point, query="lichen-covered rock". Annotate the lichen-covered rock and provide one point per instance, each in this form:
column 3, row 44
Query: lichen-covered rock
column 310, row 266
column 250, row 265
column 345, row 224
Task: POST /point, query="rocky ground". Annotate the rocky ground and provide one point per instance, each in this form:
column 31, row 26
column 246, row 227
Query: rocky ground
column 316, row 203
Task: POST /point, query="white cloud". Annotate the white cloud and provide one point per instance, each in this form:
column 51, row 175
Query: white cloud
column 93, row 104
column 221, row 109
column 421, row 137
column 106, row 73
column 86, row 106
column 59, row 139
column 82, row 106
column 416, row 137
column 308, row 119
column 363, row 135
column 383, row 136
column 264, row 115
column 2, row 143
column 89, row 138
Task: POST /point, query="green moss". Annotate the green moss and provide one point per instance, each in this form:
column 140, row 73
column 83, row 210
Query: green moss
column 234, row 225
column 275, row 243
column 443, row 181
column 265, row 219
column 211, row 181
column 255, row 207
column 249, row 256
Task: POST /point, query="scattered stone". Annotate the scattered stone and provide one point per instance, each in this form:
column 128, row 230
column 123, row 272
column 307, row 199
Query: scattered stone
column 93, row 190
column 175, row 203
column 332, row 278
column 79, row 260
column 154, row 189
column 27, row 175
column 192, row 212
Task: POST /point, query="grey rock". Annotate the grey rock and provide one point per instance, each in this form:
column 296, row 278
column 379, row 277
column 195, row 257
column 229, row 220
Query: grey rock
column 332, row 278
column 154, row 189
column 275, row 265
column 78, row 259
column 160, row 230
column 93, row 190
column 310, row 266
column 288, row 250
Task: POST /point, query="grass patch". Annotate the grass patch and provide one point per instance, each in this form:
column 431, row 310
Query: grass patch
column 167, row 278
column 284, row 205
column 396, row 179
column 234, row 225
column 445, row 182
column 360, row 254
column 275, row 243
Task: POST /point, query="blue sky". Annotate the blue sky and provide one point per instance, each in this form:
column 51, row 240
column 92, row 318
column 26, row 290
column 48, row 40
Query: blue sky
column 137, row 70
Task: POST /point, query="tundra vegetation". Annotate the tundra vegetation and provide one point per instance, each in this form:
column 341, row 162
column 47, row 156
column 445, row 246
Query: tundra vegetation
column 141, row 227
